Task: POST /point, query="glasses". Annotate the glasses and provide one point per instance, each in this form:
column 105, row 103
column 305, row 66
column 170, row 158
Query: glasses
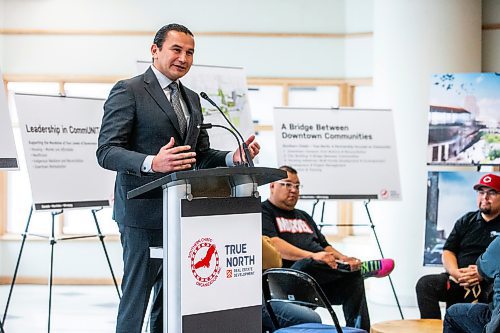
column 289, row 185
column 489, row 193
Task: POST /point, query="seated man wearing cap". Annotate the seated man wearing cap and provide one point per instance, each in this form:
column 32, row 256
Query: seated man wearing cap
column 303, row 247
column 471, row 235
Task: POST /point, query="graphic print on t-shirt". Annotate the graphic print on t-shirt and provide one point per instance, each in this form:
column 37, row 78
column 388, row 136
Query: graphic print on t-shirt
column 294, row 226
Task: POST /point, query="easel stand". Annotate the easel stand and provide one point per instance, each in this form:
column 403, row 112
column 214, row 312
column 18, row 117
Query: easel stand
column 372, row 226
column 52, row 241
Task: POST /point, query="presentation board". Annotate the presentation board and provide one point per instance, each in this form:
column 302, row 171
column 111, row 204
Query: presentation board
column 8, row 153
column 227, row 87
column 464, row 122
column 59, row 136
column 339, row 153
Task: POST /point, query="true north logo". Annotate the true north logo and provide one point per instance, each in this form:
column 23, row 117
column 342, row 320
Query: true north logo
column 239, row 261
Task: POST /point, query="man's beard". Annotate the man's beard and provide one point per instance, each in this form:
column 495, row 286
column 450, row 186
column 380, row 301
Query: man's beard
column 292, row 202
column 485, row 210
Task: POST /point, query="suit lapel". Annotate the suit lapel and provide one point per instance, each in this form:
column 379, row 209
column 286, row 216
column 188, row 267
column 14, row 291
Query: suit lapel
column 195, row 116
column 153, row 88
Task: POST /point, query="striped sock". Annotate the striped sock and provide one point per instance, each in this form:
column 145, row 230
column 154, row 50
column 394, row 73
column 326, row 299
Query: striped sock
column 377, row 268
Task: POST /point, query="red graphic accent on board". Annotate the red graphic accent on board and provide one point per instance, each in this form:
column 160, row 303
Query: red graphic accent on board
column 205, row 265
column 205, row 262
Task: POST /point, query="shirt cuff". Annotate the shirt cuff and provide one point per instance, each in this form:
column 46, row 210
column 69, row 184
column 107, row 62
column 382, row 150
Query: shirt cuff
column 229, row 159
column 147, row 165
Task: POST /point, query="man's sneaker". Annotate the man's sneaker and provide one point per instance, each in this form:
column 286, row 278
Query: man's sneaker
column 377, row 268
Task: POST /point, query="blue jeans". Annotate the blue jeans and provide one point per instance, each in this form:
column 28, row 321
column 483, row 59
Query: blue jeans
column 466, row 318
column 288, row 315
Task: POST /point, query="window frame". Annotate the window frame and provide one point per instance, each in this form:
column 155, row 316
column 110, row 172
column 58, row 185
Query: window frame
column 346, row 99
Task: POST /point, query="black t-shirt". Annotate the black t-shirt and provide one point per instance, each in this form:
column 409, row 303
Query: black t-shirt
column 470, row 237
column 294, row 226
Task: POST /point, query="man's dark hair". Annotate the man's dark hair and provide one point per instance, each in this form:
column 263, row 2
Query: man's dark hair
column 161, row 34
column 288, row 169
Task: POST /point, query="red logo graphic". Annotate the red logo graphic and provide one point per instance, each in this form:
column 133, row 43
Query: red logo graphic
column 384, row 194
column 204, row 262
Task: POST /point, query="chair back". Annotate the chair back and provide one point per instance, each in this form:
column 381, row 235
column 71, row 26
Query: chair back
column 291, row 286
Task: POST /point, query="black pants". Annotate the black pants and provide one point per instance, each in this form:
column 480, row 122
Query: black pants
column 341, row 288
column 435, row 288
column 140, row 275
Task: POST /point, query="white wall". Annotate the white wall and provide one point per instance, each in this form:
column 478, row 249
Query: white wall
column 271, row 57
column 2, row 18
column 358, row 50
column 116, row 55
column 358, row 57
column 198, row 15
column 412, row 41
column 491, row 38
column 358, row 16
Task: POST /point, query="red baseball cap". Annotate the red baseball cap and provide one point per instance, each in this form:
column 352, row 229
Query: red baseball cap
column 490, row 180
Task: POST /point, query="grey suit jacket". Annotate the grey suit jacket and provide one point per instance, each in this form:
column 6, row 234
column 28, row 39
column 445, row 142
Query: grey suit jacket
column 138, row 120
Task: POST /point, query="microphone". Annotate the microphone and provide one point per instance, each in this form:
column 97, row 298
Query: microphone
column 243, row 144
column 208, row 125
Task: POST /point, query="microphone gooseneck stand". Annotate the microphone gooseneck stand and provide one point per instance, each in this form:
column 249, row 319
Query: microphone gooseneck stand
column 243, row 143
column 208, row 125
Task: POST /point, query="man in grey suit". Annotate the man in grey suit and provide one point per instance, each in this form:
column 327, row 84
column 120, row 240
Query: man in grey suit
column 149, row 129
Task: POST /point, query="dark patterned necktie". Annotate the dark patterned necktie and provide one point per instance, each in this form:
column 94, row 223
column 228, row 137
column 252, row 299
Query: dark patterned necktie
column 176, row 104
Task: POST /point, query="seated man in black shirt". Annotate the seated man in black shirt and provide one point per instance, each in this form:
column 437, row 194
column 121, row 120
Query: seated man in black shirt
column 471, row 235
column 302, row 246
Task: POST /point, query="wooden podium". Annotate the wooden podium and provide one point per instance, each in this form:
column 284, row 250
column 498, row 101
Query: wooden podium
column 212, row 266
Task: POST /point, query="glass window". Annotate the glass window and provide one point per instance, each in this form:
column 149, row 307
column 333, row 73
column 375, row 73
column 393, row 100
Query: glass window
column 96, row 90
column 81, row 221
column 262, row 100
column 320, row 97
column 40, row 88
column 363, row 97
column 328, row 209
column 360, row 217
column 19, row 199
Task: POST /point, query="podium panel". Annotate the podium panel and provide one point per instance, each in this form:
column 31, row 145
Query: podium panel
column 212, row 249
column 221, row 262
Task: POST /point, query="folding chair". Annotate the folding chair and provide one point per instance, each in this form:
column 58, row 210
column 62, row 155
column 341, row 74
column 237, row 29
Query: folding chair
column 284, row 285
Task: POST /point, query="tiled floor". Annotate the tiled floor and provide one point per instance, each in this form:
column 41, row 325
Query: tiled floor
column 74, row 309
column 93, row 309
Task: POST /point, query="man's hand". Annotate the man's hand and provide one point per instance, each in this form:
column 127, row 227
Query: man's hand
column 355, row 263
column 171, row 158
column 253, row 148
column 469, row 276
column 325, row 257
